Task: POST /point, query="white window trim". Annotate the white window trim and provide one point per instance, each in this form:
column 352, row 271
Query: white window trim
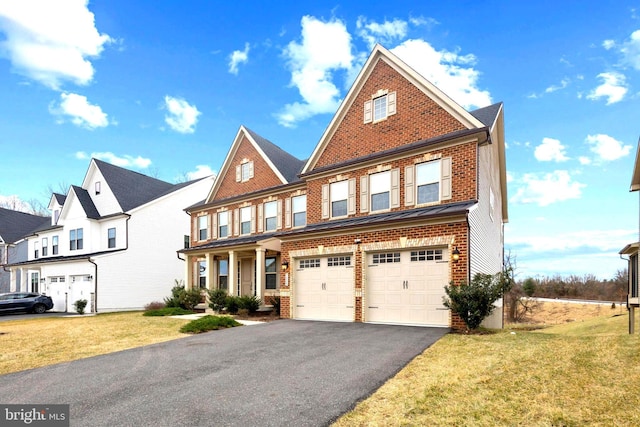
column 411, row 183
column 390, row 107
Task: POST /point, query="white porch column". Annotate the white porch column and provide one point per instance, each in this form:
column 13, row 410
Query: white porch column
column 233, row 276
column 210, row 271
column 188, row 272
column 260, row 268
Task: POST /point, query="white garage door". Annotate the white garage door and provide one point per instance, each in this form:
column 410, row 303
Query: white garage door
column 407, row 287
column 324, row 289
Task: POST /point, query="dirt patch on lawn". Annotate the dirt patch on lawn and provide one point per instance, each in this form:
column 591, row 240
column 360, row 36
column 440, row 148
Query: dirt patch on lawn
column 547, row 313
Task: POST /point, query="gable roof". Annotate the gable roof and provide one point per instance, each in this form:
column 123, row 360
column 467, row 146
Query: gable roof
column 285, row 166
column 380, row 53
column 86, row 202
column 487, row 115
column 131, row 189
column 15, row 225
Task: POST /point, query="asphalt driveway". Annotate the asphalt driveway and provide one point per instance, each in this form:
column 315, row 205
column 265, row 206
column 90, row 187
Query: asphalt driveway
column 281, row 373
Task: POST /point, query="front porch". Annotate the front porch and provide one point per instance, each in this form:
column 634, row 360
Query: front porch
column 238, row 266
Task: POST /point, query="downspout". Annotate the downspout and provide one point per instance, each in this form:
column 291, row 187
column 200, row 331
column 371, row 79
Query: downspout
column 95, row 283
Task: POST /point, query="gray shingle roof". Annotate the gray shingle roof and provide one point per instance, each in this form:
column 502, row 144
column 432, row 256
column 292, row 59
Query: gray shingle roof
column 487, row 115
column 288, row 165
column 132, row 189
column 87, row 204
column 15, row 225
column 60, row 198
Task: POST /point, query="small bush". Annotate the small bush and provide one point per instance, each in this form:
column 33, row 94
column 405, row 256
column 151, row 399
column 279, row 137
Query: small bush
column 176, row 297
column 80, row 305
column 275, row 302
column 474, row 301
column 208, row 323
column 217, row 299
column 249, row 302
column 232, row 304
column 155, row 305
column 183, row 298
column 168, row 311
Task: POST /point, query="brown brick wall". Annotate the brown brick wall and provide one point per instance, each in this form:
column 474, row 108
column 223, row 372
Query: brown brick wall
column 263, row 175
column 463, row 183
column 417, row 118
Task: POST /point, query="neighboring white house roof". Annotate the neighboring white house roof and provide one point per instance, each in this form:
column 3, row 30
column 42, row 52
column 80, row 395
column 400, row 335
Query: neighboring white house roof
column 635, row 180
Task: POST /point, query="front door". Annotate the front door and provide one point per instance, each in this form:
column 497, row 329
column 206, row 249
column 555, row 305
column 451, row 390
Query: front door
column 246, row 276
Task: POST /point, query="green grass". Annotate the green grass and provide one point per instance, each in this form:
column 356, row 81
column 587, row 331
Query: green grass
column 168, row 311
column 576, row 374
column 208, row 323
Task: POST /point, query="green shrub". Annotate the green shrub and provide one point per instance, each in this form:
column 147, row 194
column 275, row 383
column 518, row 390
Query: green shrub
column 217, row 299
column 208, row 323
column 474, row 301
column 249, row 302
column 168, row 311
column 183, row 298
column 232, row 304
column 275, row 302
column 80, row 305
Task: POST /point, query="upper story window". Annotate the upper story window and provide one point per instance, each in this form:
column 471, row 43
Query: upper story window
column 97, row 187
column 75, row 239
column 245, row 220
column 428, row 181
column 380, row 106
column 339, row 199
column 270, row 216
column 45, row 246
column 111, row 238
column 56, row 216
column 223, row 224
column 203, row 225
column 54, row 245
column 299, row 210
column 187, row 241
column 36, row 249
column 244, row 171
column 380, row 190
column 432, row 182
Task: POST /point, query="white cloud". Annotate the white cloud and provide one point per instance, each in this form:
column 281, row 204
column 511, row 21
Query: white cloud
column 607, row 148
column 81, row 112
column 548, row 188
column 238, row 57
column 608, row 44
column 200, row 172
column 613, row 87
column 550, row 150
column 182, row 116
column 449, row 71
column 563, row 84
column 584, row 160
column 51, row 41
column 630, row 50
column 324, row 49
column 124, row 161
column 603, row 240
column 383, row 33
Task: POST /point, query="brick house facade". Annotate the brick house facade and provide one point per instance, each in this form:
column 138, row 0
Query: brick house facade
column 366, row 229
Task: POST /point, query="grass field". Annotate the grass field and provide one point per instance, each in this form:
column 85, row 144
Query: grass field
column 574, row 374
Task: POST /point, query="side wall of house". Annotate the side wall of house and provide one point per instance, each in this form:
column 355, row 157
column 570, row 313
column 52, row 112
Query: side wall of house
column 148, row 269
column 486, row 224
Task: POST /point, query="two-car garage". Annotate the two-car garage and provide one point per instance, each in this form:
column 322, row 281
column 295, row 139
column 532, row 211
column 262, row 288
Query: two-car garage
column 399, row 287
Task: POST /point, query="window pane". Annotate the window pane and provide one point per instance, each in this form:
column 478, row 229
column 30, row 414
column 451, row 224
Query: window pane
column 223, row 218
column 379, row 201
column 270, row 224
column 245, row 214
column 270, row 209
column 429, row 193
column 380, row 108
column 299, row 203
column 339, row 191
column 270, row 265
column 339, row 208
column 427, row 173
column 223, row 267
column 245, row 171
column 270, row 282
column 246, row 228
column 299, row 219
column 224, row 231
column 380, row 182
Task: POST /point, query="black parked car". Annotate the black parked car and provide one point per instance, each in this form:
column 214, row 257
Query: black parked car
column 25, row 301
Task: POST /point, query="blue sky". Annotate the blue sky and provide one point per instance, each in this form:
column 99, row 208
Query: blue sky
column 162, row 88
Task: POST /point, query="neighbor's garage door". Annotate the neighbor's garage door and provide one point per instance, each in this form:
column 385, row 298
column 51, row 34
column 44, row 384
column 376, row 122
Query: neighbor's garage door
column 323, row 289
column 407, row 287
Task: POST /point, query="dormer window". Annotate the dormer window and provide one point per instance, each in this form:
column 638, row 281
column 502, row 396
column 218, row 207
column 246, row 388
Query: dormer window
column 97, row 186
column 244, row 171
column 381, row 105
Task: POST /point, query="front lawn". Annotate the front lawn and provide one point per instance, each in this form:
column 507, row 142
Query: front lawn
column 580, row 373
